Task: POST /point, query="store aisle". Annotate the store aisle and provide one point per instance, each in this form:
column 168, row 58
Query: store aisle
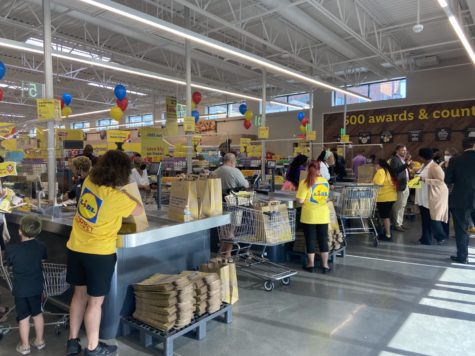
column 399, row 299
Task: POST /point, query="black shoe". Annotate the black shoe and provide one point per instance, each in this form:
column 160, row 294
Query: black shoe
column 326, row 270
column 442, row 242
column 309, row 269
column 101, row 349
column 459, row 260
column 73, row 347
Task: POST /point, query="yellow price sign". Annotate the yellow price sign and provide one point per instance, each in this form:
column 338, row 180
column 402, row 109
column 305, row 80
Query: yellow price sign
column 311, row 136
column 189, row 124
column 48, row 109
column 345, row 138
column 263, row 132
column 8, row 169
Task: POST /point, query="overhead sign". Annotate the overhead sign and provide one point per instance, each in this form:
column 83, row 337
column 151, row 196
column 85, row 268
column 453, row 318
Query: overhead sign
column 153, row 145
column 31, row 90
column 172, row 121
column 263, row 132
column 189, row 124
column 48, row 109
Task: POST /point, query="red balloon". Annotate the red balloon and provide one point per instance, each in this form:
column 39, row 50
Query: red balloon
column 196, row 97
column 302, row 136
column 1, row 94
column 122, row 103
column 304, row 122
column 247, row 124
column 62, row 104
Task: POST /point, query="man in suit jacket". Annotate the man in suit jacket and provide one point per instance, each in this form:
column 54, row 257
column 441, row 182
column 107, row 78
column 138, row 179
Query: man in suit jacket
column 461, row 173
column 399, row 165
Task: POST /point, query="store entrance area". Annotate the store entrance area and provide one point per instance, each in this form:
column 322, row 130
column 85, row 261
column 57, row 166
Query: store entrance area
column 398, row 299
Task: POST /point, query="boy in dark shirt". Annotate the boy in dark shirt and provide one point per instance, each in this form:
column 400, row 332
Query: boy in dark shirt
column 26, row 259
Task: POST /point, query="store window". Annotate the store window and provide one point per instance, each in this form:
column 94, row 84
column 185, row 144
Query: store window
column 297, row 101
column 81, row 125
column 217, row 111
column 139, row 120
column 107, row 124
column 378, row 91
column 233, row 109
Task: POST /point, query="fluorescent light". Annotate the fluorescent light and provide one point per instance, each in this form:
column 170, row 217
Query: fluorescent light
column 210, row 43
column 86, row 113
column 97, row 85
column 10, row 115
column 443, row 3
column 458, row 30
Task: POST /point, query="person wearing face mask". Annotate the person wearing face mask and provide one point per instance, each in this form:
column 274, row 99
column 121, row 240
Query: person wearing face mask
column 449, row 153
column 140, row 176
column 80, row 167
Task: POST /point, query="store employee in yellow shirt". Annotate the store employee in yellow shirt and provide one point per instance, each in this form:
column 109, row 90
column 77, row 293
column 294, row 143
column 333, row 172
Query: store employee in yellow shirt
column 313, row 194
column 387, row 194
column 92, row 246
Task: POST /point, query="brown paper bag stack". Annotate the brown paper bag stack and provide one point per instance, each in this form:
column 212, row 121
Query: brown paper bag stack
column 207, row 291
column 164, row 301
column 227, row 287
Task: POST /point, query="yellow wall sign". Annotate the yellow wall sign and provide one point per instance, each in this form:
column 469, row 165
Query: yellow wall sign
column 189, row 124
column 263, row 132
column 8, row 169
column 244, row 143
column 311, row 135
column 345, row 138
column 48, row 109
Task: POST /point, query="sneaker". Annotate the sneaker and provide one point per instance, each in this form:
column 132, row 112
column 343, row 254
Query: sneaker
column 39, row 345
column 73, row 347
column 101, row 349
column 23, row 350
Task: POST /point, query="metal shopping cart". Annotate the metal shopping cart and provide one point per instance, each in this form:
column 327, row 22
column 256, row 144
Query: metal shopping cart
column 356, row 202
column 54, row 276
column 258, row 224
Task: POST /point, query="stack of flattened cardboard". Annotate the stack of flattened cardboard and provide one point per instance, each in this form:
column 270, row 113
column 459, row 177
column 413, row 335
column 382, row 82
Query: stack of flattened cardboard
column 207, row 291
column 164, row 301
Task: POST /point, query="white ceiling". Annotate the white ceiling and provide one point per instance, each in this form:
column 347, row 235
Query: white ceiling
column 328, row 39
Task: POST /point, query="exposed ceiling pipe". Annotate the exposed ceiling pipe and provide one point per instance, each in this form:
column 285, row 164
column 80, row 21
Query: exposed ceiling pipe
column 320, row 32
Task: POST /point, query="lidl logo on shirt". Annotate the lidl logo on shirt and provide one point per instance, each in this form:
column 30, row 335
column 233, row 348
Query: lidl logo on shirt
column 319, row 193
column 89, row 205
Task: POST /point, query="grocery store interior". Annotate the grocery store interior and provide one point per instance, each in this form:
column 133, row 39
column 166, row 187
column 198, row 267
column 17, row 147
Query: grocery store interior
column 226, row 109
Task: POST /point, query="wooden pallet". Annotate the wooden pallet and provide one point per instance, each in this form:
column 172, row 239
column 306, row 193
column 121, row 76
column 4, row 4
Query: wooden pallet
column 150, row 336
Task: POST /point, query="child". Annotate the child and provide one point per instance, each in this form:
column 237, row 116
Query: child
column 26, row 259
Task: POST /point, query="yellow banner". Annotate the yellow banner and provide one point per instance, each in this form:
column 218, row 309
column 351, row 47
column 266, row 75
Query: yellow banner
column 263, row 133
column 48, row 109
column 172, row 123
column 244, row 143
column 69, row 135
column 153, row 146
column 8, row 169
column 189, row 124
column 116, row 136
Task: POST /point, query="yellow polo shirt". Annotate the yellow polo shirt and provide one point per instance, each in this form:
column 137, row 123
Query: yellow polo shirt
column 98, row 219
column 315, row 208
column 387, row 192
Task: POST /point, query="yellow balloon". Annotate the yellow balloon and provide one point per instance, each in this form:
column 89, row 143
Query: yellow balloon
column 248, row 115
column 303, row 129
column 67, row 111
column 116, row 113
column 193, row 105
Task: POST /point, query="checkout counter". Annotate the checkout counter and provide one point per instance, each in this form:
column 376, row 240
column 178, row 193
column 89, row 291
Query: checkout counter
column 165, row 246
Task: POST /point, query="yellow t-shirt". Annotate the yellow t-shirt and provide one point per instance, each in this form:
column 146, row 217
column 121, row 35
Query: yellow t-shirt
column 315, row 208
column 387, row 192
column 98, row 219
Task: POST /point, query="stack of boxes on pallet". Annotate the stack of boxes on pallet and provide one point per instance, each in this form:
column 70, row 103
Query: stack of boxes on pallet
column 172, row 301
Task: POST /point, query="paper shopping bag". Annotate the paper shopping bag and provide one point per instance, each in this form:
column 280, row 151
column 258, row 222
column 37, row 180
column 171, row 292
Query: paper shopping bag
column 210, row 197
column 366, row 173
column 227, row 273
column 134, row 224
column 272, row 224
column 183, row 200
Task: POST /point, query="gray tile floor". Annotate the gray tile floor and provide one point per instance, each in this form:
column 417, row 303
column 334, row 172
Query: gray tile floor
column 398, row 299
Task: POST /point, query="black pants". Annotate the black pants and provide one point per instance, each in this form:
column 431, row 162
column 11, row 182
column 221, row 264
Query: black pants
column 314, row 232
column 431, row 228
column 461, row 223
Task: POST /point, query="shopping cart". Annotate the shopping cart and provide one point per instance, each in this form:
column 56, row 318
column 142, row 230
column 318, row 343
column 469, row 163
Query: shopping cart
column 356, row 202
column 259, row 224
column 54, row 276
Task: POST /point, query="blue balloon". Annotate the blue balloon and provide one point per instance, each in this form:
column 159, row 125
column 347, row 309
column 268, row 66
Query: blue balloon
column 301, row 115
column 242, row 109
column 3, row 70
column 67, row 98
column 120, row 92
column 196, row 115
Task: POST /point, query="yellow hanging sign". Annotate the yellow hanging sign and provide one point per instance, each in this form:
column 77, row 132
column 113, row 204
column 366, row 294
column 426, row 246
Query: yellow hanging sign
column 153, row 145
column 244, row 143
column 189, row 124
column 311, row 136
column 172, row 122
column 48, row 109
column 263, row 132
column 116, row 136
column 345, row 138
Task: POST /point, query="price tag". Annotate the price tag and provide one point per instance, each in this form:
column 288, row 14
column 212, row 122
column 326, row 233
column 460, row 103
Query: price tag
column 311, row 136
column 48, row 109
column 263, row 132
column 189, row 124
column 345, row 138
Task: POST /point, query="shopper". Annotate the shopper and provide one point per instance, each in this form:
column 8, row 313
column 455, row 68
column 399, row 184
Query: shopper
column 399, row 164
column 231, row 177
column 88, row 152
column 313, row 194
column 225, row 147
column 139, row 175
column 461, row 173
column 80, row 167
column 357, row 161
column 292, row 177
column 340, row 165
column 449, row 153
column 92, row 246
column 26, row 260
column 324, row 160
column 432, row 199
column 387, row 194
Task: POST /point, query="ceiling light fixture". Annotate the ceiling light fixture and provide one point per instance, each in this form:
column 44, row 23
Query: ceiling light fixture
column 86, row 113
column 172, row 29
column 458, row 29
column 418, row 27
column 103, row 86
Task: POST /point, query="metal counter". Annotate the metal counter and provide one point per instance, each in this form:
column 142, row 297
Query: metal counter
column 165, row 247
